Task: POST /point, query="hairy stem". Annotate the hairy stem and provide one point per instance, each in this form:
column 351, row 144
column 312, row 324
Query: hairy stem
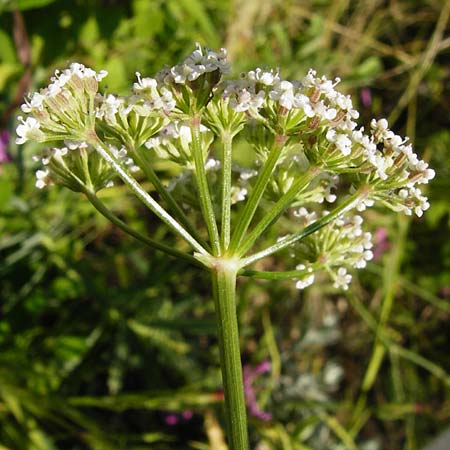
column 146, row 198
column 226, row 191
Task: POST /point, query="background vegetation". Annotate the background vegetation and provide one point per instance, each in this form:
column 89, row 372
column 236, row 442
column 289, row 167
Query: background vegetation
column 107, row 345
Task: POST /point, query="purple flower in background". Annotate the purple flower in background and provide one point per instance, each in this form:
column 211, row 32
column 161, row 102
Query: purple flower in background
column 4, row 141
column 173, row 418
column 250, row 373
column 366, row 97
column 381, row 243
column 187, row 415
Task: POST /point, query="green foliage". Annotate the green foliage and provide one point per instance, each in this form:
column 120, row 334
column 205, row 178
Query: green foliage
column 101, row 339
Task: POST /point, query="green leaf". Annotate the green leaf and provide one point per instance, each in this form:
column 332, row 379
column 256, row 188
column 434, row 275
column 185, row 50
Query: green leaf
column 369, row 68
column 117, row 78
column 157, row 337
column 196, row 10
column 6, row 189
column 41, row 441
column 8, row 53
column 89, row 33
column 173, row 401
column 7, row 71
column 148, row 18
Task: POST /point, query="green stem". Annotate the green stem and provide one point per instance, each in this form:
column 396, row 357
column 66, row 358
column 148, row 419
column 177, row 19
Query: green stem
column 167, row 197
column 317, row 225
column 274, row 274
column 85, row 167
column 390, row 284
column 226, row 190
column 224, row 288
column 392, row 346
column 102, row 209
column 276, row 210
column 334, row 425
column 145, row 198
column 258, row 190
column 203, row 188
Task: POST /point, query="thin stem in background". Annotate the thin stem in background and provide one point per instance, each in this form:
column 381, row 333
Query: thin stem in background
column 415, row 289
column 395, row 348
column 203, row 187
column 390, row 278
column 334, row 425
column 426, row 59
column 274, row 353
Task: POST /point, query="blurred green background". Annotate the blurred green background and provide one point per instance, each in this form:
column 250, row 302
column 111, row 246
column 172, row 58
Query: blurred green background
column 107, row 345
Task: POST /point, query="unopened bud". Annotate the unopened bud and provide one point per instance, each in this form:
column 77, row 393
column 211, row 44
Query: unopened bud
column 91, row 85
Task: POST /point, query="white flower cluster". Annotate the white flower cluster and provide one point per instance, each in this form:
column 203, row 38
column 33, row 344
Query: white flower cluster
column 335, row 248
column 312, row 97
column 304, row 134
column 154, row 97
column 111, row 108
column 61, row 165
column 174, row 142
column 28, row 130
column 148, row 100
column 56, row 156
column 60, row 109
column 322, row 122
column 201, row 61
column 70, row 110
column 75, row 77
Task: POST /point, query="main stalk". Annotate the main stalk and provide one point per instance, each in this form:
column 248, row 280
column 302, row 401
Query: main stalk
column 224, row 274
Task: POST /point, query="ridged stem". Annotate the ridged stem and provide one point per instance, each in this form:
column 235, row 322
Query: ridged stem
column 258, row 190
column 226, row 191
column 145, row 197
column 203, row 187
column 224, row 274
column 276, row 210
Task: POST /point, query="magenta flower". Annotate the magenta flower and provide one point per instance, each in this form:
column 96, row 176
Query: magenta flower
column 174, row 418
column 381, row 243
column 4, row 141
column 171, row 419
column 366, row 97
column 249, row 374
